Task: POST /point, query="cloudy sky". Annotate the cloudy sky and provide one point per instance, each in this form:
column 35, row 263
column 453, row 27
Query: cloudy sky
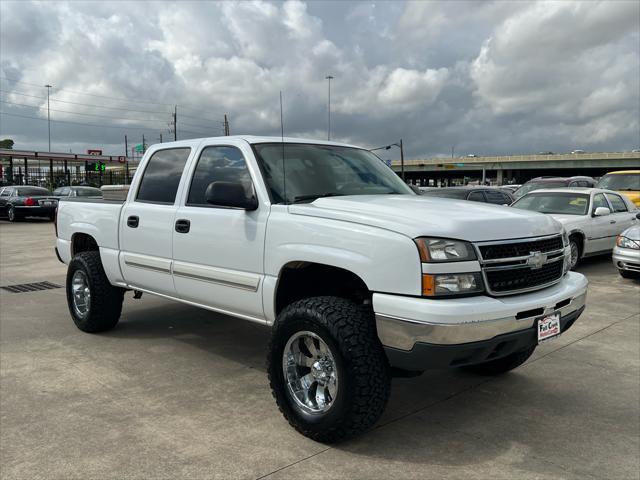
column 484, row 77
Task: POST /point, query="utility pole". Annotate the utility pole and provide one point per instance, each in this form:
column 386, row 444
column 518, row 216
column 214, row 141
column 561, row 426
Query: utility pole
column 452, row 148
column 175, row 122
column 126, row 147
column 402, row 160
column 226, row 125
column 144, row 146
column 329, row 78
column 49, row 132
column 160, row 137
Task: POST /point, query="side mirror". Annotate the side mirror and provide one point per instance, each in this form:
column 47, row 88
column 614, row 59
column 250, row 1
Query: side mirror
column 638, row 216
column 601, row 212
column 230, row 194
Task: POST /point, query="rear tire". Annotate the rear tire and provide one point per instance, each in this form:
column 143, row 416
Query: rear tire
column 12, row 215
column 502, row 365
column 357, row 365
column 95, row 305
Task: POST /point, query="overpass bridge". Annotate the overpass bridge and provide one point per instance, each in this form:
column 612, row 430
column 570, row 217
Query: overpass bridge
column 514, row 168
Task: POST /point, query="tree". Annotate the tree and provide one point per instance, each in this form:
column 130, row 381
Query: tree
column 6, row 143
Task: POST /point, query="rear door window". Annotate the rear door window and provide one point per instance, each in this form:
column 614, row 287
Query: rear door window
column 599, row 201
column 162, row 175
column 497, row 198
column 476, row 197
column 617, row 203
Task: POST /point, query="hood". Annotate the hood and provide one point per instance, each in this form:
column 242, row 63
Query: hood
column 565, row 219
column 632, row 232
column 416, row 216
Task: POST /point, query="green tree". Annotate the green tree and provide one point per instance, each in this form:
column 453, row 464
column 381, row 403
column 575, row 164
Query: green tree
column 6, row 143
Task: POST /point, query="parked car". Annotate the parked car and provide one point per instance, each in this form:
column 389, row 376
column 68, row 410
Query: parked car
column 577, row 151
column 626, row 182
column 592, row 217
column 18, row 202
column 353, row 271
column 77, row 191
column 554, row 182
column 510, row 188
column 626, row 253
column 493, row 195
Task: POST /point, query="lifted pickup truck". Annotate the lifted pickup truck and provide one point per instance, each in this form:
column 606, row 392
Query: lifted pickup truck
column 358, row 277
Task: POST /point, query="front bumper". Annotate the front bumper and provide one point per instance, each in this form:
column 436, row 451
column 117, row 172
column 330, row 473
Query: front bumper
column 626, row 259
column 406, row 324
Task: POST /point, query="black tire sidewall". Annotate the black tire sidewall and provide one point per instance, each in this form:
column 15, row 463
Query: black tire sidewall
column 11, row 214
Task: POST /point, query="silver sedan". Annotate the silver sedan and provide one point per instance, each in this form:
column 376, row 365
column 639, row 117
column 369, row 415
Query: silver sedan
column 626, row 253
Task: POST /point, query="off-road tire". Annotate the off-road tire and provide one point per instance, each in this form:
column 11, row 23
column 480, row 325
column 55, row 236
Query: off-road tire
column 106, row 300
column 363, row 370
column 502, row 365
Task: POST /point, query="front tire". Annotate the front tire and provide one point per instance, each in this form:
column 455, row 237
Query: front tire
column 502, row 365
column 95, row 305
column 575, row 252
column 327, row 369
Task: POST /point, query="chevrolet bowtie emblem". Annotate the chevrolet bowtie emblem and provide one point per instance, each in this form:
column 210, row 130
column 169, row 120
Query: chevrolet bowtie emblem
column 536, row 260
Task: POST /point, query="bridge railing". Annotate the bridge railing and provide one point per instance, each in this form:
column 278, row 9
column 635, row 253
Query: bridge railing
column 521, row 158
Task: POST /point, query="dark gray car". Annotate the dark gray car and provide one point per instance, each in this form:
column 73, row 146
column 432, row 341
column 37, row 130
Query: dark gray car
column 493, row 195
column 18, row 202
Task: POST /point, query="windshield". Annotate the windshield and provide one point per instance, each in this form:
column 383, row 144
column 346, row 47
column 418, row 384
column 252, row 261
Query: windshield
column 24, row 192
column 314, row 171
column 562, row 203
column 531, row 186
column 620, row 181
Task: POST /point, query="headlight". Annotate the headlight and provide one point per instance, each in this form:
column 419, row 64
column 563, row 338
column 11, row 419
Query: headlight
column 443, row 250
column 625, row 242
column 451, row 284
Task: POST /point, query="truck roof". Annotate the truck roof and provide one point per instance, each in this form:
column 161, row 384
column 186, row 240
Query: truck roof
column 253, row 139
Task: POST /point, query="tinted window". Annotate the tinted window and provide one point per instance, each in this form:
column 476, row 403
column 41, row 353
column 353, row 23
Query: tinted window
column 5, row 192
column 218, row 164
column 443, row 192
column 88, row 192
column 498, row 198
column 599, row 201
column 617, row 203
column 162, row 175
column 476, row 197
column 27, row 191
column 561, row 203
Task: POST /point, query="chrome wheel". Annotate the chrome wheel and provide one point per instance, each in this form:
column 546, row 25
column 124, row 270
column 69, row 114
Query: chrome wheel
column 310, row 372
column 575, row 252
column 11, row 214
column 81, row 293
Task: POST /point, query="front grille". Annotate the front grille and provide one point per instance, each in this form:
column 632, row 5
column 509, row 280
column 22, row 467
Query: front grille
column 519, row 249
column 514, row 279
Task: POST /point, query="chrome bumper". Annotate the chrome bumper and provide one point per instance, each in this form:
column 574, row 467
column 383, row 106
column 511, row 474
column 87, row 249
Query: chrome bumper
column 404, row 321
column 626, row 259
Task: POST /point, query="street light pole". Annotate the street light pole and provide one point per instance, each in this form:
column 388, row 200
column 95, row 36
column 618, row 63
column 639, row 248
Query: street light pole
column 48, row 115
column 402, row 160
column 329, row 78
column 400, row 145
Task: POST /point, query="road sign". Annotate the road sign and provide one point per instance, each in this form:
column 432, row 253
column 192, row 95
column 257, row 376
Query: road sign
column 96, row 167
column 94, row 152
column 122, row 159
column 140, row 148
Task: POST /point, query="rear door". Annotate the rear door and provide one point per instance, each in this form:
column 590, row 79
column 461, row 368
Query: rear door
column 218, row 252
column 599, row 235
column 146, row 224
column 620, row 213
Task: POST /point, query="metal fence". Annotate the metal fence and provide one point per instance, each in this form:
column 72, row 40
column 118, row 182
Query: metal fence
column 42, row 177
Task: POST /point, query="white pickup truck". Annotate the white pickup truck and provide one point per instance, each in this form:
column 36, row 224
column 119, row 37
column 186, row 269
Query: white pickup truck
column 358, row 277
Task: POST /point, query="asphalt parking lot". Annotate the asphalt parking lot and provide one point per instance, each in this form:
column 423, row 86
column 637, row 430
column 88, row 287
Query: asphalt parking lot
column 176, row 392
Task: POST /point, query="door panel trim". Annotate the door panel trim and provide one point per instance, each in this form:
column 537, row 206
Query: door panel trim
column 147, row 262
column 221, row 276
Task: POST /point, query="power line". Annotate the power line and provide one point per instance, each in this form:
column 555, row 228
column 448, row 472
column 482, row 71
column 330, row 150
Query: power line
column 88, row 94
column 84, row 114
column 124, row 127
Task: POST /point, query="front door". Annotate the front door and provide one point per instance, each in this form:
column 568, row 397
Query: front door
column 599, row 235
column 146, row 223
column 218, row 251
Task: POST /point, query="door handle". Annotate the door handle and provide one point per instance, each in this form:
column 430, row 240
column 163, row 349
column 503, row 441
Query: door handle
column 612, row 222
column 133, row 221
column 183, row 226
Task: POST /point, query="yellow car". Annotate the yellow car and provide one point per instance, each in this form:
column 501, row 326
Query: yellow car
column 626, row 182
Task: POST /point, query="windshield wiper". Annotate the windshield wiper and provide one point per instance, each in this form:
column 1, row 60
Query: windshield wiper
column 303, row 198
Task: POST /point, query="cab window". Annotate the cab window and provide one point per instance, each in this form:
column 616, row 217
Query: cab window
column 218, row 164
column 476, row 197
column 161, row 176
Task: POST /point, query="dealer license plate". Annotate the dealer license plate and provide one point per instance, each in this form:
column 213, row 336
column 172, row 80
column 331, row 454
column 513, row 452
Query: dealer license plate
column 548, row 327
